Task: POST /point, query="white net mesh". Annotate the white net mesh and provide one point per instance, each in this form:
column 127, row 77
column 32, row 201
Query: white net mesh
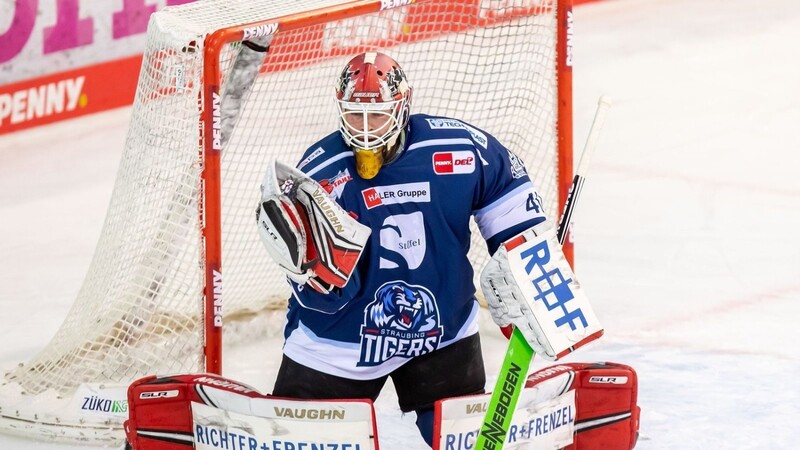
column 490, row 63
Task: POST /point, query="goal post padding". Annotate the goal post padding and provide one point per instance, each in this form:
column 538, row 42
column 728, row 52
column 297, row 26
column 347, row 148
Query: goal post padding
column 179, row 253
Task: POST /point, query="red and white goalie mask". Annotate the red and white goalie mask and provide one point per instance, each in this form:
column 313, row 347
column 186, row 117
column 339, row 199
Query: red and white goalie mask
column 373, row 97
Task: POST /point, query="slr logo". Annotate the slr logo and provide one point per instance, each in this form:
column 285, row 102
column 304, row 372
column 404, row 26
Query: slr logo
column 608, row 380
column 158, row 394
column 453, row 163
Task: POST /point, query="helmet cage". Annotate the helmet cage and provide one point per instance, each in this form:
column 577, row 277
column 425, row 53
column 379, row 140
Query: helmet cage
column 372, row 126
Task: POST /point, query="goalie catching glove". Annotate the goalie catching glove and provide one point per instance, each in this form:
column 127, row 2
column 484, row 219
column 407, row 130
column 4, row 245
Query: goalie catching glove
column 529, row 284
column 306, row 232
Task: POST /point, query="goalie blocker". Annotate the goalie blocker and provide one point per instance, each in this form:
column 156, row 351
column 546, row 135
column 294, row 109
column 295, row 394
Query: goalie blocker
column 205, row 412
column 576, row 406
column 528, row 283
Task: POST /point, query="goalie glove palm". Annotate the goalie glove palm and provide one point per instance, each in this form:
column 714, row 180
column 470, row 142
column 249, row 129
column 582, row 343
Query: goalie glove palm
column 306, row 232
column 283, row 233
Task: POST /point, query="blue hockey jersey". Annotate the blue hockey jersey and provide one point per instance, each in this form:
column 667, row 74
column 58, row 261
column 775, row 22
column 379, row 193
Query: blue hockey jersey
column 412, row 291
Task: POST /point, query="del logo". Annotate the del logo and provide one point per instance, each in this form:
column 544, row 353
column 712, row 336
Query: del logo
column 403, row 321
column 397, row 193
column 448, row 163
column 334, row 186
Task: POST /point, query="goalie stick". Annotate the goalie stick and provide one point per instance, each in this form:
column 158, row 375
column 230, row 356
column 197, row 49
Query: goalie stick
column 513, row 372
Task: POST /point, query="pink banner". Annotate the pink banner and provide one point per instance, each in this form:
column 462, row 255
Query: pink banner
column 49, row 36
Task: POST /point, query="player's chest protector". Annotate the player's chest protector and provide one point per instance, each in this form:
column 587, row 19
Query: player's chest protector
column 412, row 208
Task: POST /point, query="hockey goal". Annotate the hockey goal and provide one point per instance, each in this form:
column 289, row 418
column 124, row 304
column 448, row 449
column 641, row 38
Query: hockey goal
column 209, row 113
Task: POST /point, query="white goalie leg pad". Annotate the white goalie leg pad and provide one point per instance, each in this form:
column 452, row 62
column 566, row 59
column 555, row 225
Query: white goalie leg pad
column 580, row 406
column 458, row 420
column 272, row 422
column 529, row 283
column 206, row 411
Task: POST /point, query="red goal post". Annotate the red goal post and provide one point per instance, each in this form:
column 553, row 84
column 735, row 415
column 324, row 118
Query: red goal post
column 182, row 215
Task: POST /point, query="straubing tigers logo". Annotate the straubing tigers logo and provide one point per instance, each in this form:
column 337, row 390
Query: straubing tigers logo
column 402, row 321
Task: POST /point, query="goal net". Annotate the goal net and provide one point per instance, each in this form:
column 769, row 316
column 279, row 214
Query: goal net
column 209, row 113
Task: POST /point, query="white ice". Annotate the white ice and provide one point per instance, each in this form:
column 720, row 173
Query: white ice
column 688, row 229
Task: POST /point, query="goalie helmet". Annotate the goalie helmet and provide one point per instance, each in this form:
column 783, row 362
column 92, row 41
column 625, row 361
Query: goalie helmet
column 373, row 98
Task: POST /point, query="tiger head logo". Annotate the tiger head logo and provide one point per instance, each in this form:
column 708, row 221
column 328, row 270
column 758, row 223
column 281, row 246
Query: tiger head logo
column 403, row 307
